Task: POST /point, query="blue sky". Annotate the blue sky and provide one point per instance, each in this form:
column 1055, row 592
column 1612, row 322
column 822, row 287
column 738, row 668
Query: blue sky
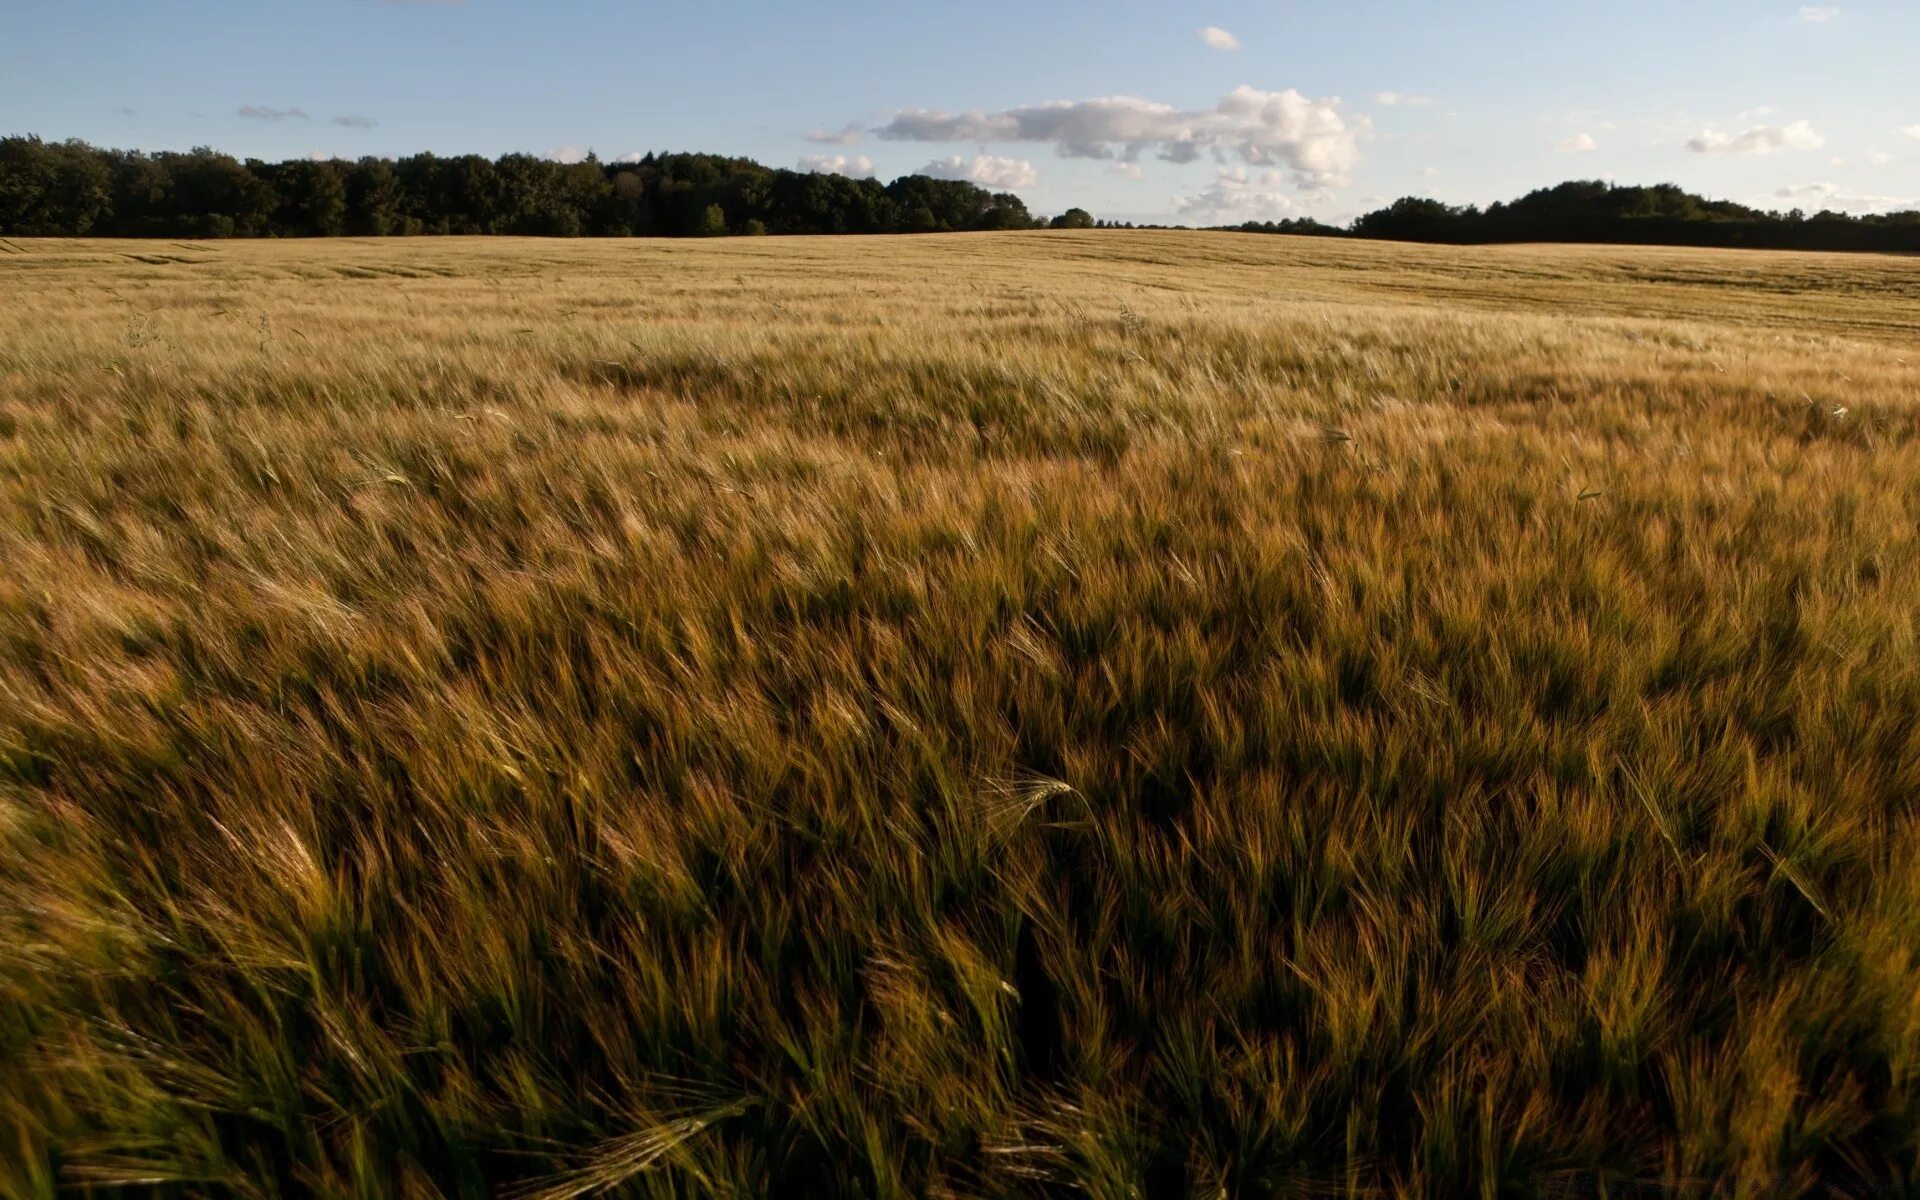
column 1140, row 109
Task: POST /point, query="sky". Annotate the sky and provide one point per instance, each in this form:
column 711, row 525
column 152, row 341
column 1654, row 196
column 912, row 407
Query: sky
column 1157, row 110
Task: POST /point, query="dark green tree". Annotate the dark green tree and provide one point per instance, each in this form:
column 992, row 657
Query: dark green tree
column 313, row 197
column 374, row 199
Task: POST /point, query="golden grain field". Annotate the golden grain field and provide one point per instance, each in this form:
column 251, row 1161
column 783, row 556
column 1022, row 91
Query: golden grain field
column 1126, row 714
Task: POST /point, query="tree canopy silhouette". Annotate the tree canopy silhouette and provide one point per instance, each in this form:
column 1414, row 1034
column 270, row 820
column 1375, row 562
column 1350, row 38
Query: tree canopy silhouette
column 75, row 189
column 1594, row 211
column 72, row 188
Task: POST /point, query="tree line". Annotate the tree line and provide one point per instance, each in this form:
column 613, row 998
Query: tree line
column 1594, row 211
column 72, row 188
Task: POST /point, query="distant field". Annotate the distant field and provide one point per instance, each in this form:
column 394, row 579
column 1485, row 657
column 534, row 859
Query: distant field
column 1123, row 714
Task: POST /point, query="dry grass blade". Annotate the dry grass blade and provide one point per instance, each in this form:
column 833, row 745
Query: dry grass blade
column 1014, row 800
column 615, row 1162
column 1786, row 870
column 1654, row 813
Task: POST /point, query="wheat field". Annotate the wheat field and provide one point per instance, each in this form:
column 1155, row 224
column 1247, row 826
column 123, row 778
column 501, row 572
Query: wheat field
column 1118, row 714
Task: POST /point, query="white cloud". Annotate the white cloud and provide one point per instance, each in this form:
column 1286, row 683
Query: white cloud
column 1828, row 196
column 1235, row 195
column 847, row 135
column 1130, row 170
column 631, row 156
column 255, row 112
column 1579, row 143
column 1818, row 14
column 1879, row 158
column 1401, row 100
column 1312, row 139
column 355, row 122
column 1912, row 131
column 1219, row 38
column 986, row 170
column 1761, row 139
column 1427, row 172
column 860, row 167
column 567, row 154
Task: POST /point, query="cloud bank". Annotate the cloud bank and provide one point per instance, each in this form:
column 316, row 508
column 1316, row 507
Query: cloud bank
column 1219, row 38
column 1004, row 174
column 1832, row 196
column 860, row 167
column 1235, row 195
column 1313, row 140
column 1761, row 139
column 257, row 112
column 848, row 135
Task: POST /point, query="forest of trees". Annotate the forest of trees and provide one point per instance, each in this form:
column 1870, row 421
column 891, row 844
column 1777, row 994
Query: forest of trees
column 72, row 188
column 1593, row 211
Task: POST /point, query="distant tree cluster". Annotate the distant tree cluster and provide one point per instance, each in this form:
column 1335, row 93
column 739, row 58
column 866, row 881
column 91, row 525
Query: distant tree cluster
column 1298, row 226
column 72, row 188
column 1593, row 211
